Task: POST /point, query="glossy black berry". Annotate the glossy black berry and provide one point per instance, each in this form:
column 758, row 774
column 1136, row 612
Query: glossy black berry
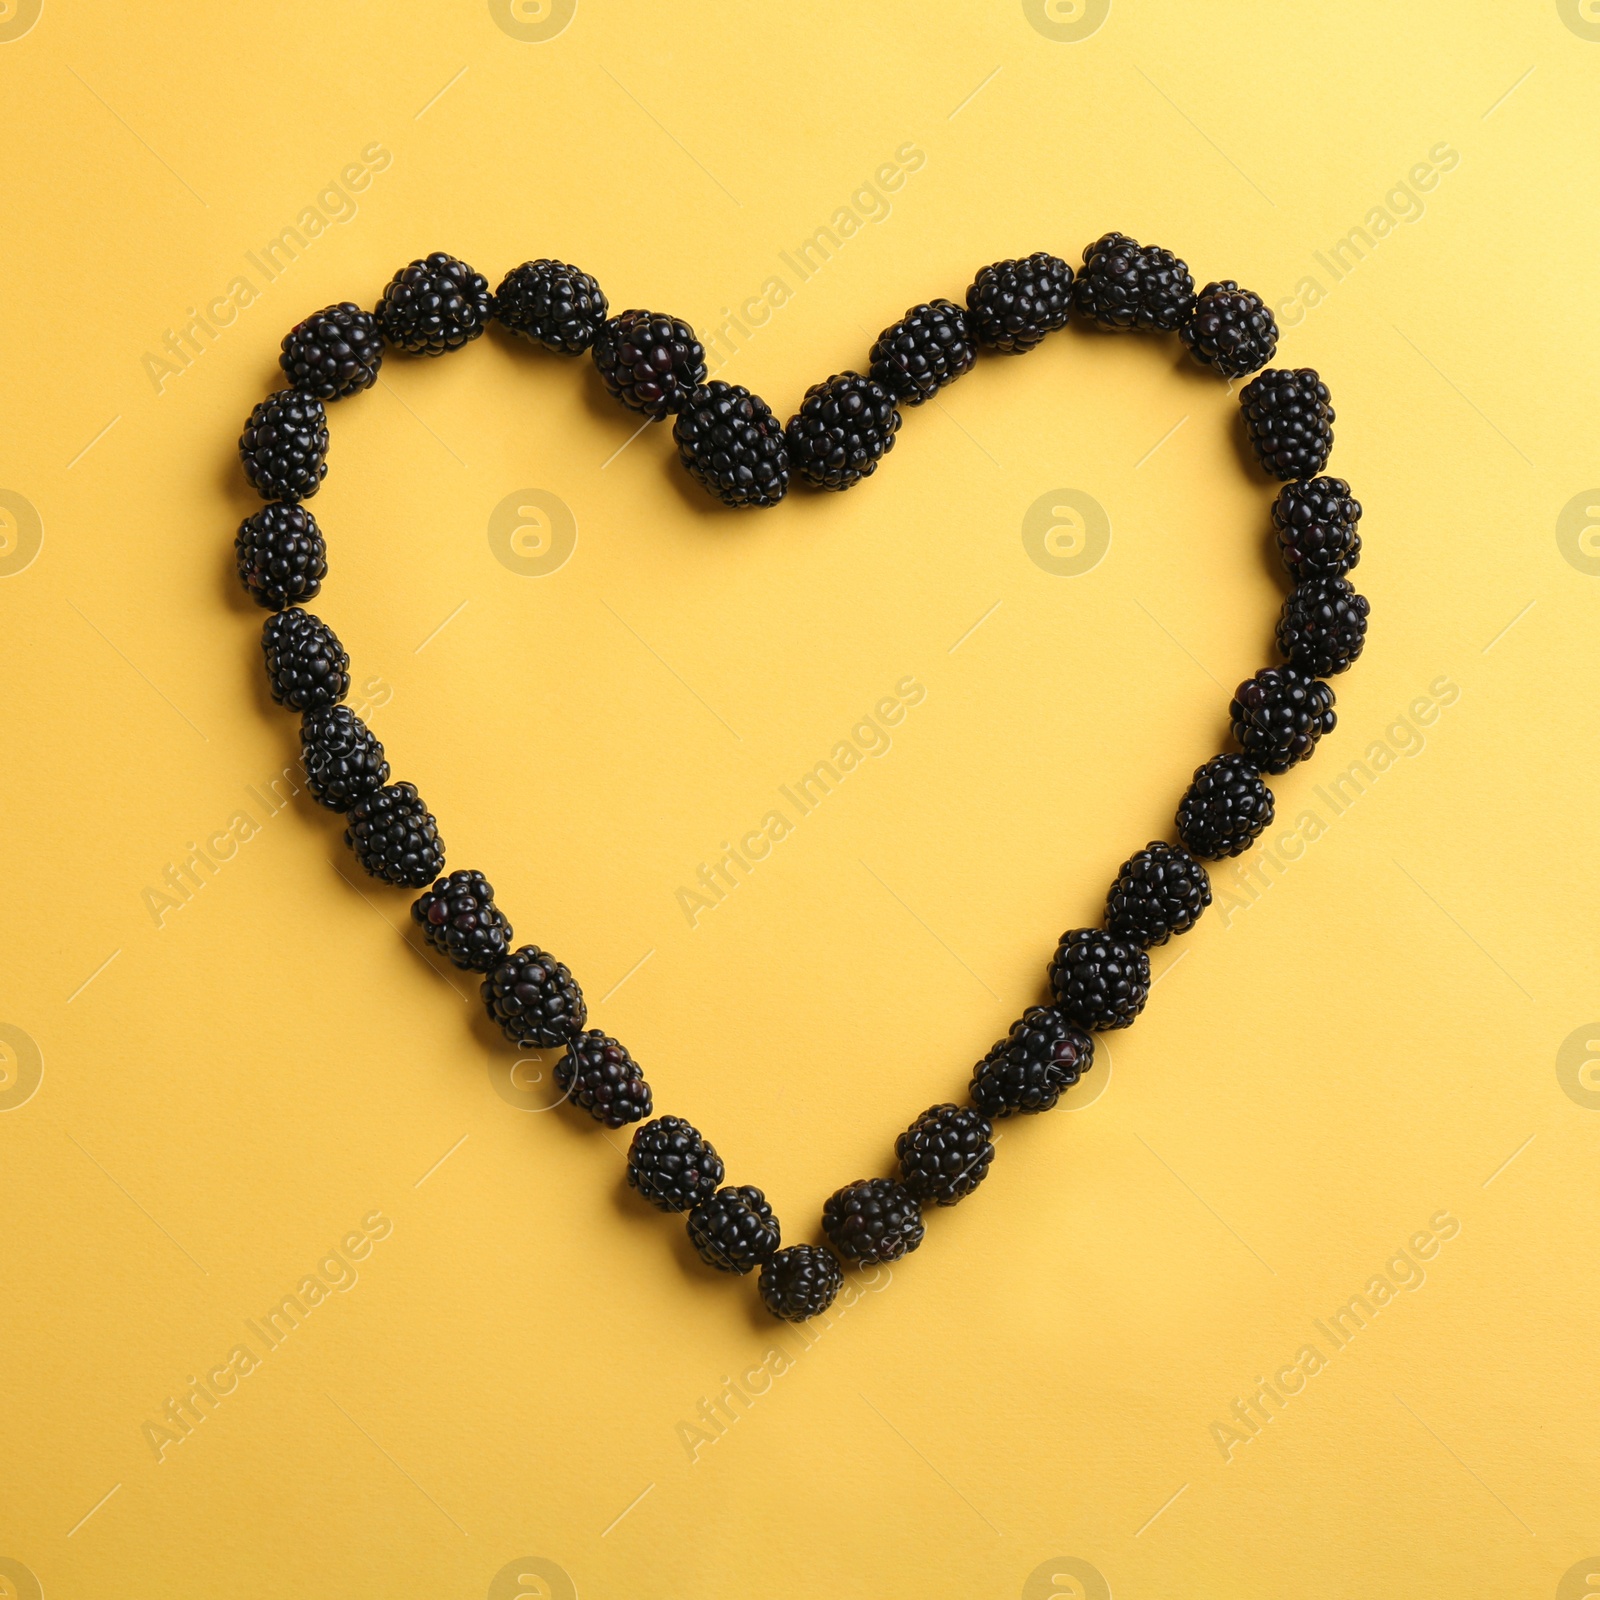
column 342, row 757
column 1127, row 285
column 306, row 665
column 672, row 1165
column 945, row 1154
column 845, row 426
column 334, row 353
column 734, row 1230
column 394, row 836
column 1160, row 890
column 1323, row 626
column 284, row 446
column 1316, row 527
column 460, row 920
column 800, row 1282
column 1100, row 980
column 434, row 305
column 1289, row 421
column 551, row 303
column 650, row 362
column 1278, row 716
column 1029, row 1069
column 732, row 445
column 1230, row 330
column 281, row 555
column 599, row 1076
column 872, row 1220
column 535, row 999
column 1012, row 305
column 927, row 348
column 1224, row 811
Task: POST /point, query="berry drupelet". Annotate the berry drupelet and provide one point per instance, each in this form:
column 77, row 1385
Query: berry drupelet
column 552, row 304
column 1029, row 1069
column 1289, row 421
column 672, row 1165
column 395, row 838
column 1230, row 330
column 1224, row 811
column 535, row 999
column 648, row 361
column 284, row 446
column 945, row 1154
column 281, row 555
column 732, row 445
column 1316, row 527
column 460, row 920
column 845, row 426
column 599, row 1076
column 1278, row 716
column 734, row 1230
column 800, row 1282
column 307, row 667
column 1323, row 626
column 1100, row 980
column 434, row 305
column 927, row 348
column 872, row 1220
column 342, row 756
column 1012, row 305
column 1161, row 890
column 1127, row 285
column 334, row 353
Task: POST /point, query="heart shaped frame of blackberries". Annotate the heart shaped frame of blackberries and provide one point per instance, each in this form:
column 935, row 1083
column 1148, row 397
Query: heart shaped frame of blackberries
column 730, row 441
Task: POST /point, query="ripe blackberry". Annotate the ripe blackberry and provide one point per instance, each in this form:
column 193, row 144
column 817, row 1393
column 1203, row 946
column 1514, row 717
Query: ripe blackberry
column 306, row 665
column 335, row 352
column 671, row 1165
column 735, row 1230
column 648, row 361
column 434, row 305
column 1230, row 330
column 1161, row 890
column 535, row 999
column 1127, row 285
column 1100, row 980
column 599, row 1076
column 843, row 429
column 872, row 1219
column 732, row 445
column 1323, row 626
column 1225, row 809
column 342, row 757
column 281, row 555
column 1029, row 1069
column 1316, row 525
column 945, row 1154
column 459, row 918
column 284, row 446
column 800, row 1282
column 394, row 836
column 1278, row 716
column 551, row 303
column 927, row 348
column 1012, row 305
column 1289, row 421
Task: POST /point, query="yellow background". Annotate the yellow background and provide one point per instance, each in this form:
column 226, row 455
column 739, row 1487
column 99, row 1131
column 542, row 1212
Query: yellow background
column 1369, row 1040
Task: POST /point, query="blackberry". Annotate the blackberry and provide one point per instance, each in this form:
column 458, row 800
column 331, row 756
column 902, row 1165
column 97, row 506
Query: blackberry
column 1100, row 980
column 284, row 446
column 553, row 304
column 872, row 1219
column 945, row 1154
column 1161, row 890
column 599, row 1076
column 732, row 445
column 1028, row 1070
column 927, row 348
column 281, row 555
column 342, row 757
column 307, row 667
column 1278, row 716
column 459, row 918
column 1229, row 330
column 535, row 999
column 394, row 836
column 1289, row 421
column 800, row 1282
column 648, row 361
column 1225, row 809
column 843, row 429
column 434, row 305
column 334, row 353
column 1323, row 626
column 1128, row 285
column 1316, row 525
column 1012, row 305
column 671, row 1165
column 735, row 1230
